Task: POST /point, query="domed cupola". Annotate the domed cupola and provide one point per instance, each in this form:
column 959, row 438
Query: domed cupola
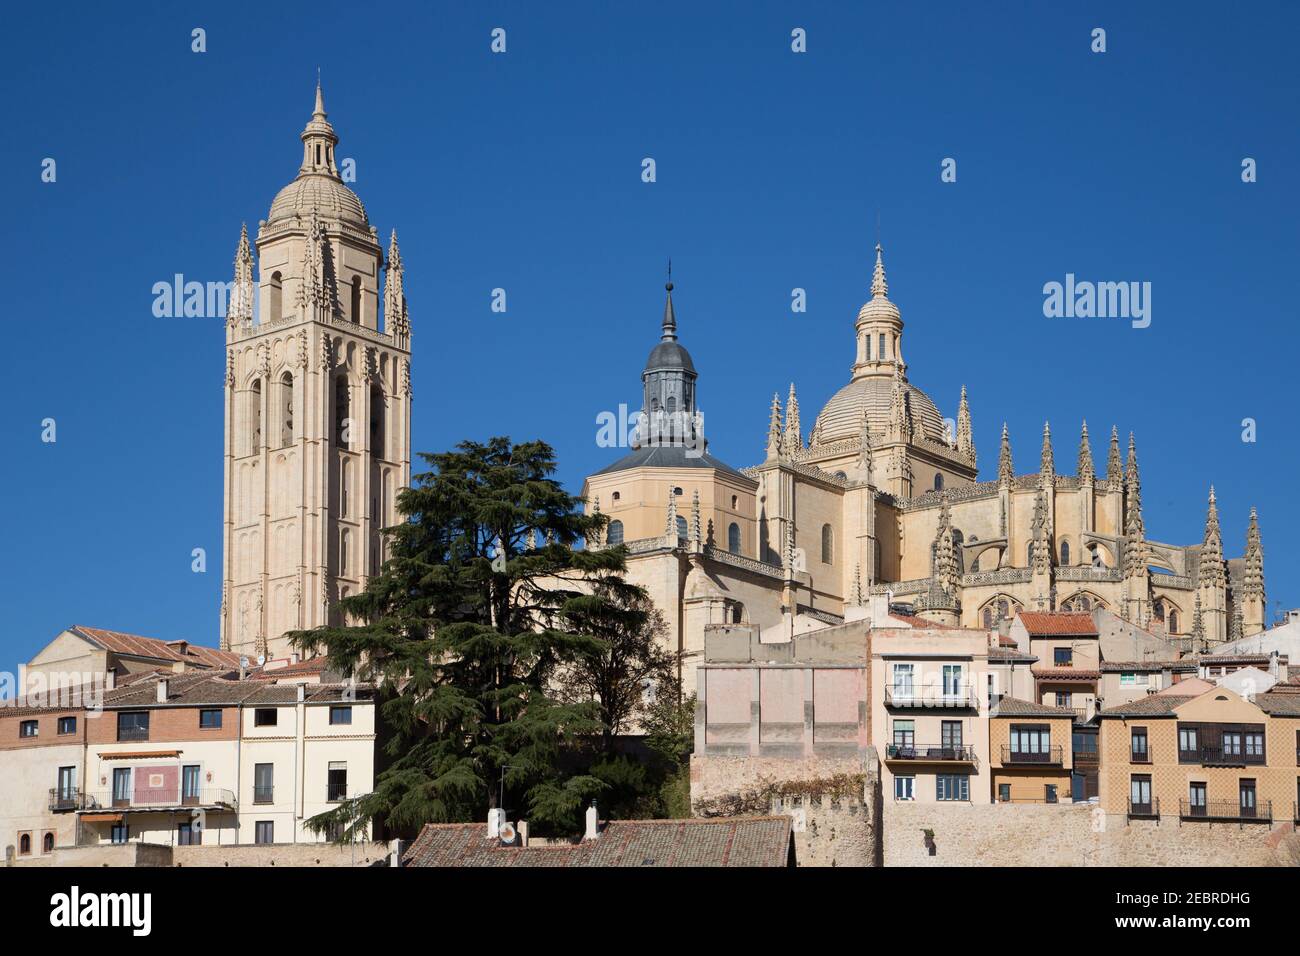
column 318, row 187
column 880, row 329
column 668, row 386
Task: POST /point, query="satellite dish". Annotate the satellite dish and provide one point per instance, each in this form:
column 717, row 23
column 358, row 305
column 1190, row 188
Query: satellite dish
column 507, row 833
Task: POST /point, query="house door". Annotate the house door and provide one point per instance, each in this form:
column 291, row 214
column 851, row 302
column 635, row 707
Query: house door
column 122, row 787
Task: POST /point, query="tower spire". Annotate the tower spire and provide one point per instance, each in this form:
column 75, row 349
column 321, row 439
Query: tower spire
column 1006, row 470
column 1047, row 464
column 396, row 321
column 318, row 140
column 1211, row 563
column 965, row 438
column 1085, row 469
column 240, row 311
column 1253, row 582
column 670, row 317
column 774, row 428
column 1114, row 467
column 793, row 434
column 879, row 287
column 1133, row 483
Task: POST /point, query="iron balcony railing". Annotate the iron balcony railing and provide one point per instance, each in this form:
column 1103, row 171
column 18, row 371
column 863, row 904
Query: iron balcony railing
column 965, row 697
column 1050, row 756
column 922, row 752
column 1226, row 810
column 264, row 794
column 334, row 792
column 66, row 798
column 132, row 733
column 1140, row 756
column 1144, row 810
column 163, row 798
column 1216, row 756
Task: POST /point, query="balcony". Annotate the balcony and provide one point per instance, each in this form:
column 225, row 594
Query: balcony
column 264, row 794
column 1229, row 810
column 1049, row 757
column 923, row 753
column 129, row 734
column 931, row 697
column 1144, row 811
column 1209, row 756
column 214, row 798
column 65, row 799
column 1139, row 756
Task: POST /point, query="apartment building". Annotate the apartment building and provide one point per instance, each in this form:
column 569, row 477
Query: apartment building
column 190, row 758
column 929, row 710
column 1199, row 753
column 1032, row 752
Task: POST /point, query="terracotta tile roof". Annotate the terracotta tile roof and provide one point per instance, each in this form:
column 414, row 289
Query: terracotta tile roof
column 202, row 688
column 1015, row 707
column 1279, row 705
column 1064, row 673
column 1006, row 640
column 1009, row 654
column 914, row 621
column 1234, row 658
column 739, row 842
column 1188, row 687
column 1143, row 667
column 1058, row 624
column 1152, row 705
column 317, row 665
column 136, row 646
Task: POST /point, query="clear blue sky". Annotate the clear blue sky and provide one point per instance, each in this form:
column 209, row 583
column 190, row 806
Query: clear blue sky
column 522, row 171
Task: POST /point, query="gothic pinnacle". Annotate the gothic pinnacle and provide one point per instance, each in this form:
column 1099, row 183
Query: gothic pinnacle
column 1047, row 465
column 774, row 428
column 1253, row 582
column 1114, row 465
column 1006, row 471
column 879, row 287
column 965, row 440
column 1211, row 558
column 793, row 434
column 1085, row 468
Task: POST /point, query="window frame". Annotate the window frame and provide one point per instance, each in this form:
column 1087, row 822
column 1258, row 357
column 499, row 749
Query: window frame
column 260, row 718
column 28, row 729
column 338, row 709
column 207, row 711
column 63, row 721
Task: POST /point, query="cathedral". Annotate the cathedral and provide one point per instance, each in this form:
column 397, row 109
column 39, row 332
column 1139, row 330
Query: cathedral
column 882, row 498
column 317, row 406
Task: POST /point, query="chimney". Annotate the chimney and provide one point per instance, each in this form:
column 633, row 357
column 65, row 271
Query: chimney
column 293, row 658
column 302, row 693
column 495, row 817
column 110, row 679
column 523, row 832
column 162, row 690
column 593, row 823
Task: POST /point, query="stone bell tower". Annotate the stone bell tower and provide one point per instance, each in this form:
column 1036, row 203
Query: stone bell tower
column 318, row 407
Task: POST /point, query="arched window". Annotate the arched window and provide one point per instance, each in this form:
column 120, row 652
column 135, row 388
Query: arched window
column 48, row 843
column 345, row 487
column 681, row 527
column 671, row 404
column 617, row 496
column 737, row 613
column 882, row 346
column 378, row 435
column 828, row 544
column 1173, row 621
column 277, row 298
column 615, row 532
column 938, row 482
column 868, row 353
column 25, row 844
column 342, row 412
column 356, row 299
column 677, row 491
column 1160, row 611
column 286, row 409
column 255, row 418
column 1029, row 554
column 988, row 617
column 1065, row 552
column 733, row 538
column 345, row 544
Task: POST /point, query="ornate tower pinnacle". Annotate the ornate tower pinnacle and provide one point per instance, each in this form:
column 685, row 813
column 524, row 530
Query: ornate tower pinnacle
column 793, row 434
column 240, row 311
column 879, row 287
column 1211, row 562
column 1085, row 468
column 1133, row 486
column 396, row 322
column 697, row 530
column 670, row 526
column 856, row 598
column 1047, row 463
column 1253, row 579
column 1114, row 465
column 1006, row 471
column 965, row 439
column 774, row 428
column 900, row 416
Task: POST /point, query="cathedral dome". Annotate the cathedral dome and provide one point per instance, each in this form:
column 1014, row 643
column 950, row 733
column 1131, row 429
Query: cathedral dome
column 669, row 355
column 322, row 194
column 841, row 417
